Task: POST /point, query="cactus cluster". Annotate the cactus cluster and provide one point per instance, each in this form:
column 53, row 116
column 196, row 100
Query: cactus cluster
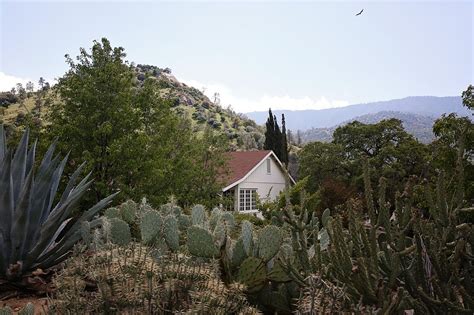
column 405, row 260
column 130, row 279
column 28, row 309
column 158, row 228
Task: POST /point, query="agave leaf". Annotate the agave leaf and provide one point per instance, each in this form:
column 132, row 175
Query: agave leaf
column 46, row 159
column 30, row 159
column 29, row 224
column 3, row 144
column 21, row 218
column 39, row 206
column 54, row 188
column 75, row 228
column 6, row 207
column 53, row 222
column 18, row 167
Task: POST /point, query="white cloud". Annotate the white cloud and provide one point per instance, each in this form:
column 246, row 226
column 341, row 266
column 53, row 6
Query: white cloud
column 7, row 82
column 245, row 105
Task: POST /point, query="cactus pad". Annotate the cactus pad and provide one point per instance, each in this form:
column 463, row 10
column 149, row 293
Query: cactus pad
column 247, row 236
column 128, row 211
column 238, row 253
column 29, row 309
column 269, row 242
column 184, row 221
column 150, row 226
column 119, row 232
column 112, row 213
column 171, row 232
column 252, row 273
column 201, row 242
column 198, row 216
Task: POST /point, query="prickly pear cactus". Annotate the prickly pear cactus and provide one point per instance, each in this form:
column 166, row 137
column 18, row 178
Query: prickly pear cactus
column 278, row 274
column 170, row 209
column 112, row 213
column 229, row 219
column 128, row 211
column 29, row 309
column 150, row 226
column 144, row 206
column 119, row 232
column 253, row 273
column 171, row 232
column 238, row 253
column 86, row 232
column 198, row 216
column 269, row 242
column 247, row 236
column 201, row 243
column 216, row 214
column 220, row 233
column 184, row 222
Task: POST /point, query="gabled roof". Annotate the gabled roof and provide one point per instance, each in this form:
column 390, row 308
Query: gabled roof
column 240, row 164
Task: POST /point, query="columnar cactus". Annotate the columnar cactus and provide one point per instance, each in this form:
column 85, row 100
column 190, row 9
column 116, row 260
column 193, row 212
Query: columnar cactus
column 408, row 261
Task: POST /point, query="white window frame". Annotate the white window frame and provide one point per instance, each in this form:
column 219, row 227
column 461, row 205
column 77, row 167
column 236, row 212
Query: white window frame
column 247, row 199
column 269, row 166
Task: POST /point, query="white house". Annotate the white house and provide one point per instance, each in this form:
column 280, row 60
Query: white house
column 250, row 173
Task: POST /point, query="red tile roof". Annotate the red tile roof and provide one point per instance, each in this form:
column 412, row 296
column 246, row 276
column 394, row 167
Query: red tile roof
column 239, row 164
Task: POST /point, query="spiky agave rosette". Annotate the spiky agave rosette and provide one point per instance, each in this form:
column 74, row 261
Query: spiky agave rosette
column 36, row 232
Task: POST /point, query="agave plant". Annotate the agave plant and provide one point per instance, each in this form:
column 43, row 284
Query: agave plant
column 36, row 230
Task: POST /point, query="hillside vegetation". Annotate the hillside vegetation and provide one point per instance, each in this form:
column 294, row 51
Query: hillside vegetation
column 186, row 101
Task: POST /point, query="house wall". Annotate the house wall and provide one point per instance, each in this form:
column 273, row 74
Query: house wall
column 266, row 184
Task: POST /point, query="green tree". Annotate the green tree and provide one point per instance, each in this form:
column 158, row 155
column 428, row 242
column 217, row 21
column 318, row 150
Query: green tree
column 128, row 134
column 95, row 113
column 455, row 133
column 275, row 138
column 269, row 132
column 468, row 98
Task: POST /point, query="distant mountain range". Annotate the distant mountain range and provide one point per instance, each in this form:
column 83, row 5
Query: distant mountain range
column 417, row 113
column 326, row 118
column 418, row 125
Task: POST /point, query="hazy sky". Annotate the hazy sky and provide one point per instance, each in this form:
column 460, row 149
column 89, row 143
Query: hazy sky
column 290, row 55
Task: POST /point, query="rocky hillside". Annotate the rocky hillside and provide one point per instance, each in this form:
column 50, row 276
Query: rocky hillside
column 242, row 132
column 419, row 126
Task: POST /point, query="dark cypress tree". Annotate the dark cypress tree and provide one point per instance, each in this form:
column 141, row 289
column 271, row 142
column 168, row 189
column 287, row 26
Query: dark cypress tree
column 277, row 146
column 270, row 132
column 284, row 142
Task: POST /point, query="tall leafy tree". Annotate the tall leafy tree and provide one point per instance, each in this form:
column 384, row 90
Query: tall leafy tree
column 96, row 111
column 127, row 134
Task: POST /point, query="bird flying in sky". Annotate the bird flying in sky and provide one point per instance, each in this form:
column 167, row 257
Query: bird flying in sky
column 360, row 12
